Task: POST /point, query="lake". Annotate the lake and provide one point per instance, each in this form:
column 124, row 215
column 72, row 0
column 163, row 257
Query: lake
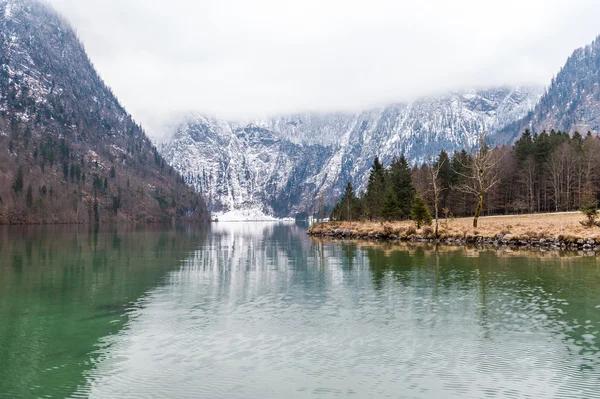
column 261, row 310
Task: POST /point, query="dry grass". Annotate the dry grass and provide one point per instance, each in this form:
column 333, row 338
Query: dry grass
column 567, row 226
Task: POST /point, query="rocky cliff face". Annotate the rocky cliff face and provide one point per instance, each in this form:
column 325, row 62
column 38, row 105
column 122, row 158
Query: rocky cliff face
column 282, row 165
column 249, row 169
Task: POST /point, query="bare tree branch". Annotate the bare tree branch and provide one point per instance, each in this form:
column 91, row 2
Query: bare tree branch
column 481, row 173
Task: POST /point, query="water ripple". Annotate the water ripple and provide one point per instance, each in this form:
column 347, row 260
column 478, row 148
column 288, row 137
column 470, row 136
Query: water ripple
column 259, row 323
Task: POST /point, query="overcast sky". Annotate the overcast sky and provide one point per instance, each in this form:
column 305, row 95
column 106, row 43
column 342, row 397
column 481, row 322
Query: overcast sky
column 253, row 58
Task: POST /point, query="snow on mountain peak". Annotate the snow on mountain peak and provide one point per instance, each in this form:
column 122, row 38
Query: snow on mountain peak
column 279, row 166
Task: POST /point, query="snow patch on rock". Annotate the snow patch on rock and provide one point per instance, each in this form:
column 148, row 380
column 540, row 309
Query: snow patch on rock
column 280, row 166
column 247, row 215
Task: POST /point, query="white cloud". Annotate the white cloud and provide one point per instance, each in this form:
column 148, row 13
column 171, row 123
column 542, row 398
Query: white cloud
column 252, row 58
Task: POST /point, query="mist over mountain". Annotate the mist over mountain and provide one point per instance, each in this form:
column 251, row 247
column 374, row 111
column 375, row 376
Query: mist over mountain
column 348, row 142
column 280, row 166
column 73, row 153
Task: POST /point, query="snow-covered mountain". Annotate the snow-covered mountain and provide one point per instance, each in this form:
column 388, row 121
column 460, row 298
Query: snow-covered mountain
column 281, row 166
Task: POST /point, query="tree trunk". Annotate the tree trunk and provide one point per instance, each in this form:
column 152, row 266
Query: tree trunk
column 348, row 206
column 478, row 210
column 437, row 215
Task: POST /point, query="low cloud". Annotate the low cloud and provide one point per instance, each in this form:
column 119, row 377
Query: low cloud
column 240, row 59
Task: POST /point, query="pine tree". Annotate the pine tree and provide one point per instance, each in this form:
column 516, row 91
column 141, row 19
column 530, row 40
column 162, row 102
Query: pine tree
column 590, row 209
column 65, row 167
column 96, row 212
column 400, row 179
column 390, row 207
column 116, row 204
column 29, row 197
column 420, row 213
column 375, row 190
column 447, row 177
column 346, row 209
column 524, row 147
column 17, row 185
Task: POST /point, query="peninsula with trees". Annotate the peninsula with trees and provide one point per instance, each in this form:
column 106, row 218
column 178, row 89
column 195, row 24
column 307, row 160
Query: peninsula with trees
column 542, row 191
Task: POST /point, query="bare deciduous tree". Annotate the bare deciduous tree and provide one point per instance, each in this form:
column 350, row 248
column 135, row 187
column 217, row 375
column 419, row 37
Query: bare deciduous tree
column 319, row 208
column 528, row 178
column 481, row 174
column 561, row 169
column 589, row 160
column 434, row 171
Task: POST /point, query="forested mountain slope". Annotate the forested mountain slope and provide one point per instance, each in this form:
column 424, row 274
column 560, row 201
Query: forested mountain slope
column 571, row 102
column 69, row 152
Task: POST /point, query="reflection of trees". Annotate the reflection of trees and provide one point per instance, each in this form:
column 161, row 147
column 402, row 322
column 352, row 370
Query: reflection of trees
column 64, row 288
column 558, row 294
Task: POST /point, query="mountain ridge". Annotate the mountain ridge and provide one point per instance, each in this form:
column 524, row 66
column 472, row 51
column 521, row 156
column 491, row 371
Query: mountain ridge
column 315, row 154
column 73, row 153
column 572, row 100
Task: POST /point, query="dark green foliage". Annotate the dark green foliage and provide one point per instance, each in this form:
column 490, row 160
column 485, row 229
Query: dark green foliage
column 446, row 177
column 402, row 188
column 75, row 172
column 157, row 157
column 390, row 207
column 113, row 173
column 97, row 183
column 27, row 136
column 589, row 208
column 96, row 212
column 17, row 185
column 348, row 208
column 420, row 212
column 375, row 190
column 163, row 203
column 116, row 204
column 389, row 194
column 29, row 197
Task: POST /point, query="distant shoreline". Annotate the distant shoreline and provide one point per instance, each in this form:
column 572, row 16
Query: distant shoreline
column 556, row 231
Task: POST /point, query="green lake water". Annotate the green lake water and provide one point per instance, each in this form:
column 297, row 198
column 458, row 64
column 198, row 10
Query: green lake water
column 261, row 310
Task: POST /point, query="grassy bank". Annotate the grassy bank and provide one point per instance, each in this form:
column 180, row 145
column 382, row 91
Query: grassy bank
column 558, row 230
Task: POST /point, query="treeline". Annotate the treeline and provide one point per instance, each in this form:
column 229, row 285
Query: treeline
column 541, row 172
column 390, row 194
column 50, row 179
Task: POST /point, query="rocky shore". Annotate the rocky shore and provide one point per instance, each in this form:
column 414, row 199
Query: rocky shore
column 388, row 232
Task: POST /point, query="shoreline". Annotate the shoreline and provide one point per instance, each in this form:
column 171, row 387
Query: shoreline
column 558, row 231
